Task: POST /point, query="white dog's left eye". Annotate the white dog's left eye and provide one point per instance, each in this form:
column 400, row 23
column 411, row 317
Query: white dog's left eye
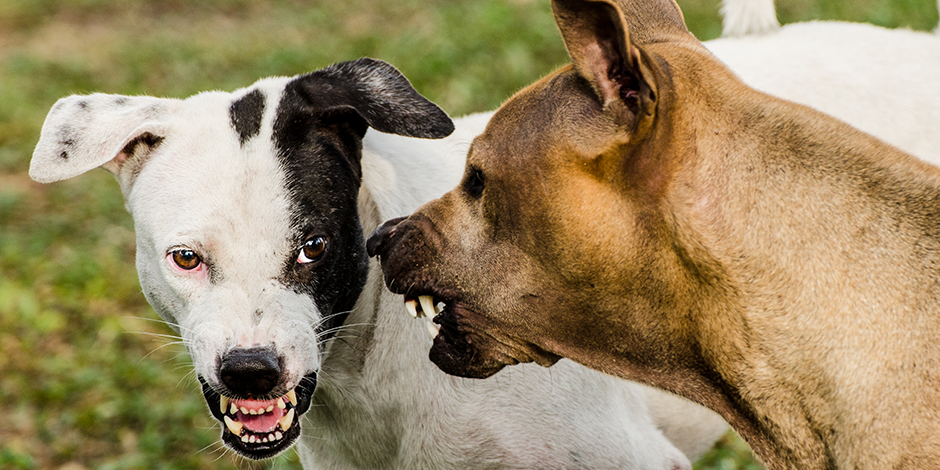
column 312, row 250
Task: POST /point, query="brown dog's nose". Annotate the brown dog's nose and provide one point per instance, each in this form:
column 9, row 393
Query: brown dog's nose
column 378, row 241
column 250, row 372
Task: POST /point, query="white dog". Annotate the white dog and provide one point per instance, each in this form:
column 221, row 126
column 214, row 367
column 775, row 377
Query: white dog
column 250, row 210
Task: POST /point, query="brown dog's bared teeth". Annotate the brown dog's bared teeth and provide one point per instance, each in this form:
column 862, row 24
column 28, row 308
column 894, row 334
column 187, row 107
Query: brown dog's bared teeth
column 411, row 305
column 427, row 305
column 433, row 329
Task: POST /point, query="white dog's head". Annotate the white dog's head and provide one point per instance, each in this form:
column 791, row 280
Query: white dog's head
column 248, row 239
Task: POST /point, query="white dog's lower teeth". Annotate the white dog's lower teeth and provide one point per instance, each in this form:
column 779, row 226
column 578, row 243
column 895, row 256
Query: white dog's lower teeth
column 233, row 426
column 286, row 421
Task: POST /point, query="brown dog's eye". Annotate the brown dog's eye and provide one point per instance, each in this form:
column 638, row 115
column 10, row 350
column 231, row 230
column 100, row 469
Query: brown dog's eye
column 474, row 184
column 186, row 259
column 312, row 250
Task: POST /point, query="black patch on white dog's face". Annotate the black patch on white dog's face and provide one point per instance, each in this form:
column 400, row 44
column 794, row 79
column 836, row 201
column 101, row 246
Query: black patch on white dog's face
column 318, row 130
column 320, row 151
column 246, row 114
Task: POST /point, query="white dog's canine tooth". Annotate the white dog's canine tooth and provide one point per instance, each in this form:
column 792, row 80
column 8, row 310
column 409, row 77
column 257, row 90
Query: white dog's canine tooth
column 233, row 426
column 412, row 307
column 427, row 304
column 223, row 403
column 286, row 421
column 433, row 329
column 292, row 396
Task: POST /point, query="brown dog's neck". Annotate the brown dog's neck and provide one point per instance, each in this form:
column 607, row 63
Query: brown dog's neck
column 784, row 224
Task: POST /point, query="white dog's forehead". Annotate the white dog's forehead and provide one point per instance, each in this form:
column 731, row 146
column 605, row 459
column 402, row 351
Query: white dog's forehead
column 206, row 186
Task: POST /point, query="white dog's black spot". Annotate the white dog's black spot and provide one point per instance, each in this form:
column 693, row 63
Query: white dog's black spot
column 245, row 115
column 318, row 130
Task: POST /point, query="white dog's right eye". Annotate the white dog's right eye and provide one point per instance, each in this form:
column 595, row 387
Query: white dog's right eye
column 186, row 259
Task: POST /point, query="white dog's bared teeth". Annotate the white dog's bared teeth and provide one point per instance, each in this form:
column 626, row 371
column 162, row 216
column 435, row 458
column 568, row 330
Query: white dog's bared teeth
column 245, row 438
column 233, row 410
column 278, row 435
column 412, row 307
column 244, row 411
column 233, row 426
column 427, row 305
column 292, row 396
column 281, row 404
column 433, row 329
column 286, row 420
column 223, row 403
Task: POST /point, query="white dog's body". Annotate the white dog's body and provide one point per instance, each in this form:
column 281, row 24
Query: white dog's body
column 874, row 78
column 379, row 402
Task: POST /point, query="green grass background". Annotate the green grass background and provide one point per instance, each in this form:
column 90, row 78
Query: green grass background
column 89, row 378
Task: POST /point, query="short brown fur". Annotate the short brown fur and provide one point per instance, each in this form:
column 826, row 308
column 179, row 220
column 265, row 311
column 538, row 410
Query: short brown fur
column 646, row 214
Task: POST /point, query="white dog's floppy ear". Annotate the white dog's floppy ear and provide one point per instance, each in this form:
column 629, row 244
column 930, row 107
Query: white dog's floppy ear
column 86, row 132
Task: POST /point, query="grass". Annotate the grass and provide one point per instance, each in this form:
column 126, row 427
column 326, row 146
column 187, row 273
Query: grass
column 88, row 377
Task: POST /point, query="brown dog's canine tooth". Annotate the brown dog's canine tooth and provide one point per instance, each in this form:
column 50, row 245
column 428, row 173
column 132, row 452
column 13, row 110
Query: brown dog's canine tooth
column 433, row 329
column 411, row 306
column 427, row 305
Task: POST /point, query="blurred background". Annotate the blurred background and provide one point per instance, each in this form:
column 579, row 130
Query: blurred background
column 89, row 378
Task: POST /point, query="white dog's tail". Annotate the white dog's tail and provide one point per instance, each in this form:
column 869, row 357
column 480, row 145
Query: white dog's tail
column 749, row 17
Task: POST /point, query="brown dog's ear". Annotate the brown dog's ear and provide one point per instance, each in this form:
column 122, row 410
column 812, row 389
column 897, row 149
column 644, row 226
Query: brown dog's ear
column 598, row 40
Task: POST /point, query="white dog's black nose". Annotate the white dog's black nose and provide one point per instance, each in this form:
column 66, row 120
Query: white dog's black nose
column 250, row 372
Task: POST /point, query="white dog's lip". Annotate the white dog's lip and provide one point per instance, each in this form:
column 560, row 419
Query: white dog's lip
column 260, row 429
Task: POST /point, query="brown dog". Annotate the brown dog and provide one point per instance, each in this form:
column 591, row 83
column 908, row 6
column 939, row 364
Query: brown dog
column 646, row 214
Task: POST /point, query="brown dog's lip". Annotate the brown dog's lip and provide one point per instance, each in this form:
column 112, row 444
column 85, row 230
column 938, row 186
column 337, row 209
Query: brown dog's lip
column 460, row 348
column 452, row 350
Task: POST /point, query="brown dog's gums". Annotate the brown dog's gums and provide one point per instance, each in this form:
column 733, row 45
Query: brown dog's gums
column 646, row 214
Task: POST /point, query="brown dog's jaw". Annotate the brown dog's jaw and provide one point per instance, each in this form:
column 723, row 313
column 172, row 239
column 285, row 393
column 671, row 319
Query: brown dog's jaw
column 459, row 349
column 468, row 345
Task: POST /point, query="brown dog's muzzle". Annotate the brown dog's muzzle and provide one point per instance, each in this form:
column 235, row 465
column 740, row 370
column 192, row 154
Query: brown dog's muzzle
column 403, row 245
column 410, row 250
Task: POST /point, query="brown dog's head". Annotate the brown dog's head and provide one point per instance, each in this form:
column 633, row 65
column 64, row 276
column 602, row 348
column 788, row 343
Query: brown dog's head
column 558, row 211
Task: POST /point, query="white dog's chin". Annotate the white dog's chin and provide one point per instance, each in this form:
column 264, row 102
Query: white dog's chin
column 260, row 429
